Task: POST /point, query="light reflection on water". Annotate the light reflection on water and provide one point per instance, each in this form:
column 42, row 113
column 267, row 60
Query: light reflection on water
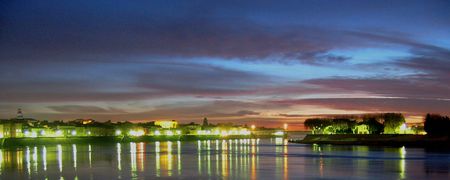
column 233, row 159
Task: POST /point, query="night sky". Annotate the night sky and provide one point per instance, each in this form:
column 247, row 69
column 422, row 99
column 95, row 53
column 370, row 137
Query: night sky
column 248, row 62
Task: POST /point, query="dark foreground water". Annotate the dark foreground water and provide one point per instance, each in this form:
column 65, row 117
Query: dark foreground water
column 221, row 159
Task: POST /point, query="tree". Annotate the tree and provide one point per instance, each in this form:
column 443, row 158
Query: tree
column 375, row 127
column 317, row 124
column 436, row 124
column 392, row 122
column 343, row 125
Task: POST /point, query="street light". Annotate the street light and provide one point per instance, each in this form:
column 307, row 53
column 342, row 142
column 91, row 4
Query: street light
column 118, row 132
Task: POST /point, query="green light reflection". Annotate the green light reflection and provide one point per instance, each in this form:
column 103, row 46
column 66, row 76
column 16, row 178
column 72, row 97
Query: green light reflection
column 27, row 159
column 1, row 161
column 90, row 155
column 60, row 164
column 44, row 158
column 35, row 159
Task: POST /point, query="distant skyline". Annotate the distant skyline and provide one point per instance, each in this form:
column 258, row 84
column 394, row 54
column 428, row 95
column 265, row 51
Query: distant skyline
column 260, row 62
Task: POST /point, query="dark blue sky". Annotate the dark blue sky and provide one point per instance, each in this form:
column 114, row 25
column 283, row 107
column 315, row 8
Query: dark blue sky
column 261, row 61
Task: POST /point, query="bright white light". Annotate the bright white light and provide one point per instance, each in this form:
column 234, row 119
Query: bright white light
column 118, row 132
column 279, row 133
column 403, row 127
column 136, row 133
column 58, row 132
column 178, row 132
column 74, row 133
column 157, row 133
column 42, row 133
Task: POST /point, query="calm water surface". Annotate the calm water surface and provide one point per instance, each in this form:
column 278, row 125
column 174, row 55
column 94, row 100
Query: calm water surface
column 221, row 159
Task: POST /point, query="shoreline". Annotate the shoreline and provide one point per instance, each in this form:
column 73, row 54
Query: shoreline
column 395, row 140
column 25, row 141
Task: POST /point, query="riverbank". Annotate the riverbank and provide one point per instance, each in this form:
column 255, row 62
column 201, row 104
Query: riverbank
column 9, row 142
column 377, row 140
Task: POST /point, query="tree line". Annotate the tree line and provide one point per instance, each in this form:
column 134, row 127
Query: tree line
column 436, row 124
column 384, row 123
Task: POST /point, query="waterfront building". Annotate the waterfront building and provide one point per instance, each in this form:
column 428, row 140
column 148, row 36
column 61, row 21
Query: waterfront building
column 11, row 129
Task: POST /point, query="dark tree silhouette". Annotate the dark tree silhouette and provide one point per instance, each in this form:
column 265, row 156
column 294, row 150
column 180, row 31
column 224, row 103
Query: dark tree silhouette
column 436, row 124
column 317, row 124
column 343, row 125
column 205, row 122
column 375, row 127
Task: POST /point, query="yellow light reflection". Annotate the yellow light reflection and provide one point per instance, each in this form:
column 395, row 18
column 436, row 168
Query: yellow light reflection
column 402, row 162
column 285, row 160
column 209, row 156
column 217, row 144
column 157, row 159
column 199, row 158
column 279, row 141
column 224, row 158
column 253, row 159
column 179, row 157
column 140, row 156
column 169, row 158
column 217, row 157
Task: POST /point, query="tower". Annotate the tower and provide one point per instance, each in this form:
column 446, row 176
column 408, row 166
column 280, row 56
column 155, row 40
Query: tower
column 19, row 114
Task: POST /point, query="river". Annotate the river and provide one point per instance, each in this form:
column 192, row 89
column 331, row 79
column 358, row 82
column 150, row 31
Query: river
column 221, row 159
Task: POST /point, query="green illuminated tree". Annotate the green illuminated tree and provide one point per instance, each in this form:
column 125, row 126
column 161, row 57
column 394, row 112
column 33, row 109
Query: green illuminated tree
column 392, row 122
